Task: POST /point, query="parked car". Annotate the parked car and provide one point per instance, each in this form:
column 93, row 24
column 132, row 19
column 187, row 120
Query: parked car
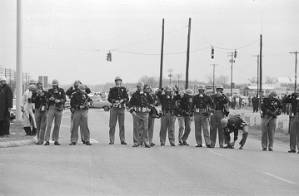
column 100, row 101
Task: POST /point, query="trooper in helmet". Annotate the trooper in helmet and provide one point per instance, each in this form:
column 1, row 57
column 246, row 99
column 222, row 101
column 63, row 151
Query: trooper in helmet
column 39, row 98
column 202, row 104
column 271, row 107
column 232, row 125
column 118, row 97
column 55, row 99
column 187, row 112
column 220, row 110
column 6, row 102
column 167, row 101
column 140, row 106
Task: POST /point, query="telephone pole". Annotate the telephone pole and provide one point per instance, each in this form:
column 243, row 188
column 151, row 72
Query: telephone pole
column 232, row 60
column 257, row 73
column 296, row 54
column 19, row 61
column 162, row 54
column 188, row 54
column 261, row 67
column 214, row 77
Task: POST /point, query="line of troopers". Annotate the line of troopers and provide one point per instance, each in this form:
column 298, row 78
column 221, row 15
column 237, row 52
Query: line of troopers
column 170, row 104
column 43, row 108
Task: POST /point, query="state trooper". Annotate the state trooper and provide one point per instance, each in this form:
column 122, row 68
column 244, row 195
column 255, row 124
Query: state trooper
column 167, row 100
column 69, row 93
column 232, row 125
column 80, row 102
column 202, row 104
column 179, row 114
column 140, row 105
column 270, row 109
column 187, row 113
column 118, row 97
column 39, row 98
column 293, row 99
column 152, row 115
column 220, row 109
column 56, row 99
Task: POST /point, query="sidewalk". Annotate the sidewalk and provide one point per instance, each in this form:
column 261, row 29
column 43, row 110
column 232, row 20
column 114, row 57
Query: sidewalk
column 16, row 138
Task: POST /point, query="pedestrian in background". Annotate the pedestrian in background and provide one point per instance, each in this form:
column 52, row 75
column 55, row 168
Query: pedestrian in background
column 28, row 110
column 118, row 97
column 6, row 97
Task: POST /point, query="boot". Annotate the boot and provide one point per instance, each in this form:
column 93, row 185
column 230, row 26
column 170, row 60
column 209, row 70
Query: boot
column 27, row 130
column 33, row 132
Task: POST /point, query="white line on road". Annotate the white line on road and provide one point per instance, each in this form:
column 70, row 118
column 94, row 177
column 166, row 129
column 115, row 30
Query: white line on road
column 279, row 178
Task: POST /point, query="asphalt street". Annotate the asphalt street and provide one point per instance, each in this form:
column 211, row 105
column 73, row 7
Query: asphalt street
column 103, row 169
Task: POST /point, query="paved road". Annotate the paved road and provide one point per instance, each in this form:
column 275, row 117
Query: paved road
column 102, row 169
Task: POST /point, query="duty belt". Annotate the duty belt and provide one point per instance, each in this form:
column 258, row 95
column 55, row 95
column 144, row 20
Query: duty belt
column 142, row 109
column 201, row 110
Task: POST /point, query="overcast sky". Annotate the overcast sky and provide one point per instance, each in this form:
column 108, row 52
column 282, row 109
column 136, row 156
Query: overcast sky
column 68, row 39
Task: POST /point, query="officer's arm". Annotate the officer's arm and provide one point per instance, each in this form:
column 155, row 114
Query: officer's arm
column 132, row 103
column 110, row 96
column 69, row 92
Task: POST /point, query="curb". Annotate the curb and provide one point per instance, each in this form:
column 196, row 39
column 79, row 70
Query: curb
column 16, row 143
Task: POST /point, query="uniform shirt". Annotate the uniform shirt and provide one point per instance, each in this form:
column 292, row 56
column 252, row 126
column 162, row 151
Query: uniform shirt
column 271, row 106
column 72, row 89
column 141, row 99
column 79, row 100
column 187, row 105
column 167, row 102
column 57, row 94
column 39, row 98
column 202, row 101
column 219, row 102
column 6, row 102
column 294, row 101
column 118, row 94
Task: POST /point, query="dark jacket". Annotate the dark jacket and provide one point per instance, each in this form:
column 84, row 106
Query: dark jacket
column 79, row 100
column 294, row 101
column 57, row 94
column 142, row 100
column 118, row 94
column 72, row 89
column 167, row 102
column 39, row 98
column 202, row 101
column 271, row 107
column 187, row 105
column 6, row 97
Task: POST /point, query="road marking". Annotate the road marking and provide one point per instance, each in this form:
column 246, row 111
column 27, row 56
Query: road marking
column 94, row 141
column 279, row 178
column 216, row 153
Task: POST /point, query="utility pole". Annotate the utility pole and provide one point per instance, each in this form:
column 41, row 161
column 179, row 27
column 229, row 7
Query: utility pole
column 257, row 73
column 19, row 54
column 232, row 60
column 178, row 77
column 188, row 54
column 170, row 75
column 296, row 54
column 213, row 77
column 261, row 67
column 162, row 54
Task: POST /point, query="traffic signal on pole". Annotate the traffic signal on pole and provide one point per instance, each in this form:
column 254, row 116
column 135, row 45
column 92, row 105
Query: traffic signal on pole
column 212, row 53
column 109, row 56
column 235, row 54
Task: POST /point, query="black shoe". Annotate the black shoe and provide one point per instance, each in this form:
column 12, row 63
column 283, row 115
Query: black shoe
column 162, row 144
column 172, row 144
column 241, row 148
column 152, row 144
column 111, row 143
column 198, row 146
column 185, row 143
column 135, row 145
column 221, row 146
column 88, row 143
column 180, row 143
column 39, row 143
column 73, row 143
column 147, row 145
column 83, row 142
column 56, row 143
column 209, row 146
column 270, row 149
column 123, row 143
column 292, row 151
column 47, row 143
column 264, row 149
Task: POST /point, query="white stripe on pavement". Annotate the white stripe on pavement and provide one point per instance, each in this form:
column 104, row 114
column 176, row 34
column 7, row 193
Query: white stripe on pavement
column 279, row 178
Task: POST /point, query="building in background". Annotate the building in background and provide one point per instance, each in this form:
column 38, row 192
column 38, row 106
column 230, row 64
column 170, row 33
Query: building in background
column 43, row 80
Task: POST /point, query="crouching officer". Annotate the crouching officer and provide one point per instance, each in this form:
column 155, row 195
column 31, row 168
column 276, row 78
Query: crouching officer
column 56, row 99
column 140, row 105
column 167, row 100
column 39, row 98
column 220, row 109
column 118, row 97
column 202, row 104
column 271, row 108
column 294, row 124
column 79, row 107
column 232, row 125
column 187, row 108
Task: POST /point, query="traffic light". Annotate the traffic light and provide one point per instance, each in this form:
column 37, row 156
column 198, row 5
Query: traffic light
column 212, row 53
column 235, row 54
column 109, row 56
